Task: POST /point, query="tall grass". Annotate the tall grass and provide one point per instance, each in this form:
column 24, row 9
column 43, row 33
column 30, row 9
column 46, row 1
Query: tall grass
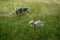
column 17, row 27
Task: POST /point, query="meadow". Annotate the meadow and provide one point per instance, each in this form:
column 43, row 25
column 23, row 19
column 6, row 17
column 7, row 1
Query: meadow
column 13, row 27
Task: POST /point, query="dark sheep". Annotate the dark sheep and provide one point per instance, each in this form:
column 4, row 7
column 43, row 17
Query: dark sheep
column 21, row 10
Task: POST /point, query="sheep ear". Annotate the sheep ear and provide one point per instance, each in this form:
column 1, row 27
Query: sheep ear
column 15, row 9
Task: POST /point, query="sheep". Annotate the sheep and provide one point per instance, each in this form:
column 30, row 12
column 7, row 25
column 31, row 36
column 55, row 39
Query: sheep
column 18, row 11
column 21, row 10
column 36, row 23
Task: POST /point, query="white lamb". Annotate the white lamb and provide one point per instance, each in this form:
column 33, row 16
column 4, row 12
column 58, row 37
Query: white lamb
column 36, row 23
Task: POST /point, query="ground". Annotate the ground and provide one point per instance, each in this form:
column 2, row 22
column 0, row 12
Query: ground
column 13, row 27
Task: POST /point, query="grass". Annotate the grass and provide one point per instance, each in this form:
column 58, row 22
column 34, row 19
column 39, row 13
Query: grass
column 14, row 27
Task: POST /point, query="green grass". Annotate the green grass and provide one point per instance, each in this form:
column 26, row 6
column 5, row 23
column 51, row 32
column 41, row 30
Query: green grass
column 14, row 27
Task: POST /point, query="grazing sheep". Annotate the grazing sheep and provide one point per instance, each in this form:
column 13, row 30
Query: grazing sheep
column 21, row 10
column 36, row 23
